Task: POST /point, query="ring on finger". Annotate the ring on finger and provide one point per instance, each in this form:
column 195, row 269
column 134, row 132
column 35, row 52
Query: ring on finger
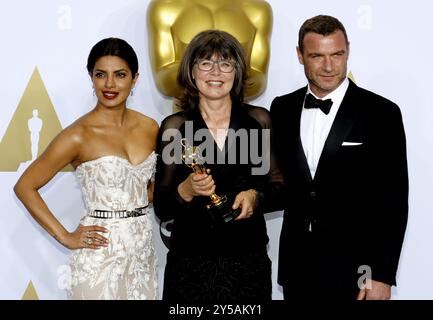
column 88, row 241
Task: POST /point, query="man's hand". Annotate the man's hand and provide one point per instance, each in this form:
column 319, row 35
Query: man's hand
column 374, row 290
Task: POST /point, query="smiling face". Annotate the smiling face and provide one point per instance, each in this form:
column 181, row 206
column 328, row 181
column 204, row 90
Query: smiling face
column 325, row 61
column 213, row 84
column 112, row 81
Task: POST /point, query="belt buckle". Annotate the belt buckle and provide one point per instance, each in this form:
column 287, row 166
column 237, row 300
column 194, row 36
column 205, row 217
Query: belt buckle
column 138, row 212
column 132, row 213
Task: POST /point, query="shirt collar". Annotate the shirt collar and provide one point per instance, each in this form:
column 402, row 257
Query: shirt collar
column 337, row 94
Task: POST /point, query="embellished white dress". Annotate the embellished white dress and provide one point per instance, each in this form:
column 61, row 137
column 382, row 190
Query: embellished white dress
column 126, row 269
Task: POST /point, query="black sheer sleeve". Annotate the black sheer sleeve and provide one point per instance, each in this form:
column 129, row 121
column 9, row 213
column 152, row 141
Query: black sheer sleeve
column 166, row 199
column 273, row 189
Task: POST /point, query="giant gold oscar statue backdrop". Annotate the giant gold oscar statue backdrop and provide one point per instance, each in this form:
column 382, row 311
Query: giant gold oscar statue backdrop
column 173, row 23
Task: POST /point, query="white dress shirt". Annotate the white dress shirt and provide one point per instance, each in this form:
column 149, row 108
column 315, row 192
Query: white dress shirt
column 315, row 125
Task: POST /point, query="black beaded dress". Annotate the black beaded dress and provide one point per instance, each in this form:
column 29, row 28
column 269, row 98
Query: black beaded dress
column 207, row 260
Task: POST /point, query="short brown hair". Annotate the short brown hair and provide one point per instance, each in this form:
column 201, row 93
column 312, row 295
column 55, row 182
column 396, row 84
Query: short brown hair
column 320, row 24
column 203, row 46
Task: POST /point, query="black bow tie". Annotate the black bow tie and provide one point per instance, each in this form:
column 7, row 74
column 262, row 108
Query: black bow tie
column 312, row 102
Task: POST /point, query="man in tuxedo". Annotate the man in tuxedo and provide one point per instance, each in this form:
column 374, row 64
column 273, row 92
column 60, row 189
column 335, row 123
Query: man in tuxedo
column 342, row 152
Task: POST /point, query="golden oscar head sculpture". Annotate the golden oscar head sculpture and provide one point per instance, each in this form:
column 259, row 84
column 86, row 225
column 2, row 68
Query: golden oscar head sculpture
column 173, row 23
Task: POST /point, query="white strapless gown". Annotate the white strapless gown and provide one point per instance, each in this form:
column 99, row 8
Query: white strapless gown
column 126, row 269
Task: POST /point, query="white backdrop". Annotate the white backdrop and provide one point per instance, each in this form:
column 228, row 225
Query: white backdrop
column 390, row 54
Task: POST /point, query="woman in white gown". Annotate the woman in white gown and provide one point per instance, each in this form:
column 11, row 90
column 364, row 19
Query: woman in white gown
column 112, row 150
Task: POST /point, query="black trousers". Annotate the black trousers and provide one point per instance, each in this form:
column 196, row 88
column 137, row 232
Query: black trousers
column 308, row 292
column 321, row 270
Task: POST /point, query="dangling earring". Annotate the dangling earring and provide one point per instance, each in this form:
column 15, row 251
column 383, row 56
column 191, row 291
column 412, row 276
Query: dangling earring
column 94, row 93
column 132, row 93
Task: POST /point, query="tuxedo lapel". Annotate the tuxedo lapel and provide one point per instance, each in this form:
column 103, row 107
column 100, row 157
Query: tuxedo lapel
column 301, row 159
column 343, row 123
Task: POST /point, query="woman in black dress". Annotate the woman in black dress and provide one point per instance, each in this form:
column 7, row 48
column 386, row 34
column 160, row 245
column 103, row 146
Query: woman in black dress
column 216, row 256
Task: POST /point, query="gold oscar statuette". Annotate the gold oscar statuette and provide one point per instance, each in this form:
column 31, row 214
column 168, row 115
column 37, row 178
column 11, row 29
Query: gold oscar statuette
column 219, row 208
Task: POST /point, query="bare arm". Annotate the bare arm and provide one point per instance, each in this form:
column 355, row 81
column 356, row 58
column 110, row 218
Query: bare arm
column 61, row 151
column 153, row 136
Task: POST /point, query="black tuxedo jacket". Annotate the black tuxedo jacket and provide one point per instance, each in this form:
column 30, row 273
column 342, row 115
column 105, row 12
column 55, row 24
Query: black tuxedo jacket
column 352, row 216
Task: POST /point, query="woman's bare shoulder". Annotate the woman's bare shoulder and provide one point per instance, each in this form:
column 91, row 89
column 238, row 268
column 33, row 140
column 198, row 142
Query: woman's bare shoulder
column 79, row 129
column 144, row 121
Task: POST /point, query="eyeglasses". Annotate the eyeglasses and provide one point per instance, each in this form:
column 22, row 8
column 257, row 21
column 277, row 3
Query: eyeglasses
column 225, row 66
